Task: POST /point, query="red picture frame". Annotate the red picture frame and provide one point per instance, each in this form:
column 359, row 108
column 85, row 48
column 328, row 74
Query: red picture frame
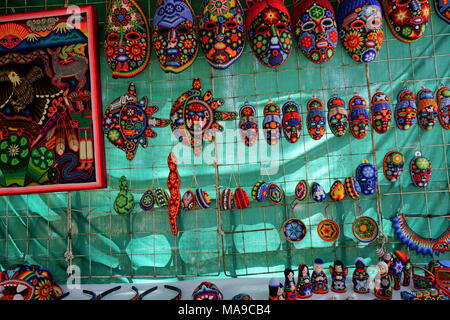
column 51, row 135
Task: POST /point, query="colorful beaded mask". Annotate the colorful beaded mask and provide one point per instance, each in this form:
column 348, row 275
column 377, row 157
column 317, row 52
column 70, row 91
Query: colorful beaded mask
column 367, row 176
column 337, row 116
column 174, row 35
column 127, row 38
column 407, row 19
column 272, row 123
column 194, row 117
column 316, row 118
column 443, row 100
column 427, row 109
column 420, row 169
column 393, row 164
column 359, row 117
column 269, row 32
column 292, row 122
column 406, row 109
column 443, row 9
column 315, row 29
column 360, row 28
column 128, row 122
column 207, row 291
column 221, row 32
column 381, row 112
column 28, row 282
column 248, row 124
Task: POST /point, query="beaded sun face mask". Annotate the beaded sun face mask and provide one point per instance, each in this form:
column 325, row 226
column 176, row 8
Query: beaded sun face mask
column 360, row 28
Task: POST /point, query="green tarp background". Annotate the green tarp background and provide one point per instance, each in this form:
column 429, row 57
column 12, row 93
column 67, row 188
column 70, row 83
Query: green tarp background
column 140, row 247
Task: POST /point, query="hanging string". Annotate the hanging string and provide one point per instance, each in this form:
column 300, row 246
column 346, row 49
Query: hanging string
column 69, row 254
column 325, row 211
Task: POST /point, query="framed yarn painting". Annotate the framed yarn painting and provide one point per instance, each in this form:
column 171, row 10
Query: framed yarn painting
column 51, row 137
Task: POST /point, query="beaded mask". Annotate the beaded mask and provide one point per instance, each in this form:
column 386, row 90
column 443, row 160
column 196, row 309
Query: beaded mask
column 406, row 109
column 381, row 112
column 427, row 109
column 393, row 164
column 292, row 122
column 269, row 32
column 443, row 100
column 221, row 32
column 443, row 9
column 360, row 28
column 420, row 170
column 248, row 124
column 174, row 35
column 367, row 176
column 28, row 282
column 315, row 29
column 316, row 118
column 337, row 116
column 407, row 19
column 359, row 117
column 127, row 39
column 272, row 123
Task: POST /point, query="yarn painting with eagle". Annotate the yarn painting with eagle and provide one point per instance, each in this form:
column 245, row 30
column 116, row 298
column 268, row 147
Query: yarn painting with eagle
column 47, row 104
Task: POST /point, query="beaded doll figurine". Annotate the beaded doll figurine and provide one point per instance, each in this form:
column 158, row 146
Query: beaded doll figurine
column 221, row 32
column 360, row 277
column 304, row 287
column 315, row 29
column 338, row 276
column 268, row 25
column 275, row 290
column 319, row 279
column 360, row 28
column 290, row 292
column 382, row 287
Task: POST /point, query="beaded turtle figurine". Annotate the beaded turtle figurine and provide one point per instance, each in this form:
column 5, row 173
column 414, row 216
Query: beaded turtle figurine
column 337, row 116
column 443, row 101
column 195, row 117
column 124, row 202
column 128, row 122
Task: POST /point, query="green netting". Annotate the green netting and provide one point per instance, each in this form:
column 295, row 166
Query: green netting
column 112, row 248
